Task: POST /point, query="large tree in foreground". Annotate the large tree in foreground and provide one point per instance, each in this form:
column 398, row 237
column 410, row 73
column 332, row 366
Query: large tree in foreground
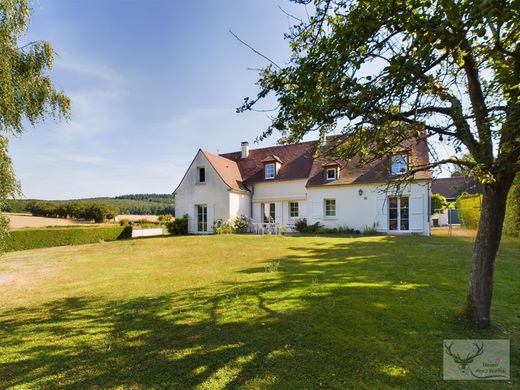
column 388, row 71
column 26, row 91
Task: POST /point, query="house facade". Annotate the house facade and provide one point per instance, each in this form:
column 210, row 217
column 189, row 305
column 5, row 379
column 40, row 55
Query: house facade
column 282, row 184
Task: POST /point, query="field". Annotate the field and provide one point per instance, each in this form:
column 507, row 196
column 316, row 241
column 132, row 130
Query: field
column 22, row 220
column 246, row 311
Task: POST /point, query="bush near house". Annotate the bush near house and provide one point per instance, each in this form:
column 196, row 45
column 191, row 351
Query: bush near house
column 179, row 226
column 49, row 237
column 239, row 224
column 468, row 209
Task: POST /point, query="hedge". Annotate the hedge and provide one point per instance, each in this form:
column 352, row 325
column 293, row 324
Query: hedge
column 48, row 237
column 468, row 208
column 512, row 218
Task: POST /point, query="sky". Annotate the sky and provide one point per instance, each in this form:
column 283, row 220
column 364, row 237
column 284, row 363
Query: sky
column 151, row 82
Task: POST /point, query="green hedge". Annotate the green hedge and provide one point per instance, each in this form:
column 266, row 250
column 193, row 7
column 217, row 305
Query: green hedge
column 512, row 219
column 47, row 237
column 468, row 208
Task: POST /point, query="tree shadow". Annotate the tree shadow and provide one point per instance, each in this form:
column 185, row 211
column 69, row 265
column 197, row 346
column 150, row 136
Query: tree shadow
column 336, row 316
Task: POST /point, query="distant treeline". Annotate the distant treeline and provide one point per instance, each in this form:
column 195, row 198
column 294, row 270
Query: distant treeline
column 78, row 210
column 137, row 204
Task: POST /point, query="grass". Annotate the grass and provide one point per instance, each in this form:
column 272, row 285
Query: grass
column 246, row 311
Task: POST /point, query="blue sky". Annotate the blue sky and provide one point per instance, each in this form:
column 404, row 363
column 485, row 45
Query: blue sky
column 150, row 82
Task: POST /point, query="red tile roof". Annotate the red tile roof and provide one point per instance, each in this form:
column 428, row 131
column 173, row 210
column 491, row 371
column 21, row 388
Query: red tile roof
column 298, row 162
column 228, row 170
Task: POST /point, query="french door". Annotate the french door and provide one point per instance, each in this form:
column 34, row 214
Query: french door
column 269, row 210
column 398, row 213
column 202, row 218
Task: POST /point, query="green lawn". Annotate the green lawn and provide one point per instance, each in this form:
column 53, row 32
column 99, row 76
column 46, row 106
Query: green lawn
column 246, row 311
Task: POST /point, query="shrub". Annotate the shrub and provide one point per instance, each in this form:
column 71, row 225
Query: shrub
column 313, row 229
column 468, row 208
column 179, row 226
column 300, row 225
column 222, row 227
column 240, row 224
column 437, row 203
column 49, row 237
column 512, row 218
column 165, row 218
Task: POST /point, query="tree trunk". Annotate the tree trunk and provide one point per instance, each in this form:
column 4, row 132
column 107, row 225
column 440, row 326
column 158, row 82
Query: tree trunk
column 478, row 303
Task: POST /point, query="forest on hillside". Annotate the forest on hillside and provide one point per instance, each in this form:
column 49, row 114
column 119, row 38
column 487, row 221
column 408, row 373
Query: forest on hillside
column 137, row 204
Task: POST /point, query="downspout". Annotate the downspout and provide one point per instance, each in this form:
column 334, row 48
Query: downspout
column 252, row 194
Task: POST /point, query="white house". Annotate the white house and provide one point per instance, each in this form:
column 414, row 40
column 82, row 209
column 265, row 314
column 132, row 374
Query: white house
column 281, row 184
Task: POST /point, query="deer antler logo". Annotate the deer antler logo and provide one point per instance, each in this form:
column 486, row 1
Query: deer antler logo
column 463, row 362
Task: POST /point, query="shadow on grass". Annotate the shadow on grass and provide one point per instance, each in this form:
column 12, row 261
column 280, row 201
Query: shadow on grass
column 351, row 314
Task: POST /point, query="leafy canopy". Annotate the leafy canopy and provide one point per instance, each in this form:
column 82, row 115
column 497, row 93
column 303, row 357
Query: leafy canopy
column 390, row 70
column 26, row 90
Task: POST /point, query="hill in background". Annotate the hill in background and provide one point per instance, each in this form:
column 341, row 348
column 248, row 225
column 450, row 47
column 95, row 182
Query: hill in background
column 138, row 204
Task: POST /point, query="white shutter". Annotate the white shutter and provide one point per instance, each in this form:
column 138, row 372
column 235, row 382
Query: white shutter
column 317, row 210
column 278, row 206
column 211, row 217
column 416, row 213
column 381, row 212
column 192, row 223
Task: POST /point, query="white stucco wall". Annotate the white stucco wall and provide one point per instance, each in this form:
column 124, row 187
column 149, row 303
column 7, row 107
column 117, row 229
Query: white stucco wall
column 280, row 193
column 370, row 209
column 214, row 193
column 239, row 204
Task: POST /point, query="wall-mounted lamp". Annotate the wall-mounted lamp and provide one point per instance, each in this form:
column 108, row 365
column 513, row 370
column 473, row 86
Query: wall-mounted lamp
column 360, row 192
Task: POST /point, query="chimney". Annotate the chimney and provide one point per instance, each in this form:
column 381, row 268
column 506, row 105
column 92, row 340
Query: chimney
column 245, row 149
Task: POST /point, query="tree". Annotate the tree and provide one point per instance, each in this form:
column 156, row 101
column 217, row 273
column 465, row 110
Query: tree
column 390, row 71
column 437, row 203
column 26, row 91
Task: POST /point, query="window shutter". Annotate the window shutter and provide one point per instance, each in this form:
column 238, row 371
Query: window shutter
column 317, row 210
column 416, row 212
column 211, row 217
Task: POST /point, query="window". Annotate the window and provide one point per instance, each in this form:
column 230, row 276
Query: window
column 399, row 164
column 398, row 213
column 330, row 207
column 331, row 173
column 202, row 175
column 269, row 171
column 293, row 209
column 202, row 218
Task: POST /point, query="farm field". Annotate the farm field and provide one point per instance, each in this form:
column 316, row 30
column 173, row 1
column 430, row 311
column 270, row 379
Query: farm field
column 258, row 312
column 24, row 220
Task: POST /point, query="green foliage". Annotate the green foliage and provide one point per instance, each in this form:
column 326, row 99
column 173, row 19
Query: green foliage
column 222, row 227
column 512, row 219
column 178, row 227
column 239, row 224
column 437, row 203
column 146, row 204
column 97, row 212
column 300, row 225
column 468, row 209
column 49, row 237
column 26, row 90
column 165, row 218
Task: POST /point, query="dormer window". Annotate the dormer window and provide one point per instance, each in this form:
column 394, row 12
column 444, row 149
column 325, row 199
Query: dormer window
column 332, row 173
column 331, row 170
column 201, row 175
column 399, row 164
column 269, row 171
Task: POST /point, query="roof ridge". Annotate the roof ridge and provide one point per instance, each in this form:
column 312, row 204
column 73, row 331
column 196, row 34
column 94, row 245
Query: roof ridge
column 272, row 147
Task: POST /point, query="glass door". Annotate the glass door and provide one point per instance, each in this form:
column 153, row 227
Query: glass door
column 202, row 218
column 398, row 213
